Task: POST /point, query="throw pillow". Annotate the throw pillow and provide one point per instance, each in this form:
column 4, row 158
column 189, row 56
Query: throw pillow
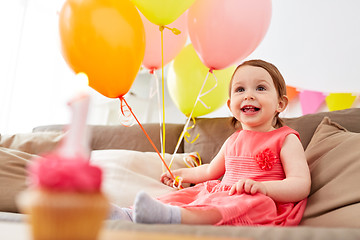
column 15, row 152
column 333, row 156
column 127, row 172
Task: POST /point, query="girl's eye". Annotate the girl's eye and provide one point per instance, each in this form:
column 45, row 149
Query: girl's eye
column 261, row 88
column 239, row 89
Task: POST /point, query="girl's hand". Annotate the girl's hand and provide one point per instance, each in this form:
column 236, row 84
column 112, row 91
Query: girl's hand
column 248, row 186
column 167, row 179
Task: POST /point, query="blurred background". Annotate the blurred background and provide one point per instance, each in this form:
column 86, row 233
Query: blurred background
column 315, row 44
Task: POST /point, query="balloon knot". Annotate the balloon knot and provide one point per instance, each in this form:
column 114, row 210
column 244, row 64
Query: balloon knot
column 173, row 30
column 151, row 71
column 176, row 31
column 211, row 70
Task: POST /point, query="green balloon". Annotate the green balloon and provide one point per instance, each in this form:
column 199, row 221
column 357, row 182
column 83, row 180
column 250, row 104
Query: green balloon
column 185, row 79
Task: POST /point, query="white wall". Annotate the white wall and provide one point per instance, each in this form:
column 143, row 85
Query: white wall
column 315, row 44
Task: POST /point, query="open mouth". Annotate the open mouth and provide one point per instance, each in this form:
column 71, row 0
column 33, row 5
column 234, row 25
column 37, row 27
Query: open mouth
column 248, row 108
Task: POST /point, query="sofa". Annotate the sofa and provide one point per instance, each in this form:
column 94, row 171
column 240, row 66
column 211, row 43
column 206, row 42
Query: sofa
column 331, row 141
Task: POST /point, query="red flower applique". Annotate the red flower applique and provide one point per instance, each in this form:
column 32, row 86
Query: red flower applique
column 266, row 159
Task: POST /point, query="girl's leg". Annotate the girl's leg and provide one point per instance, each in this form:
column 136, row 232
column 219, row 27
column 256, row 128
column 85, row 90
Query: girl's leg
column 200, row 216
column 118, row 213
column 149, row 210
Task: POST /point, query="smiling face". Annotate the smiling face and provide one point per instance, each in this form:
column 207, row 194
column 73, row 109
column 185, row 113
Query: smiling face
column 254, row 99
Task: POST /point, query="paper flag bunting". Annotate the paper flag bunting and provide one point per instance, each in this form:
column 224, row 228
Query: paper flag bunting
column 311, row 101
column 339, row 101
column 291, row 92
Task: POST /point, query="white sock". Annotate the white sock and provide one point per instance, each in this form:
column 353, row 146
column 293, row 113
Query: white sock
column 149, row 210
column 118, row 213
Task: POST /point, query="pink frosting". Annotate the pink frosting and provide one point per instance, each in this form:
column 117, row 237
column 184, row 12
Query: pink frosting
column 53, row 172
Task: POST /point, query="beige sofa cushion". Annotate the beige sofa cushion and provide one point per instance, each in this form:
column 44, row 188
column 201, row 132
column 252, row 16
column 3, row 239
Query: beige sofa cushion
column 307, row 124
column 12, row 177
column 16, row 151
column 334, row 160
column 130, row 138
column 127, row 172
column 212, row 133
column 33, row 143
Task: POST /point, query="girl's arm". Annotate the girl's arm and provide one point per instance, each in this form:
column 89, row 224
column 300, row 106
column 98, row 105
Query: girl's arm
column 214, row 170
column 296, row 185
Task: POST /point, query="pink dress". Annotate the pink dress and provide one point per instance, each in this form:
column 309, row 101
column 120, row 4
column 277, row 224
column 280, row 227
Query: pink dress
column 248, row 154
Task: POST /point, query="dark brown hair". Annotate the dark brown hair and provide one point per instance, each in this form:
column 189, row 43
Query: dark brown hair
column 277, row 78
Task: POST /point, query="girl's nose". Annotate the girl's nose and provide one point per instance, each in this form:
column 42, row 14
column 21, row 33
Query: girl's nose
column 249, row 97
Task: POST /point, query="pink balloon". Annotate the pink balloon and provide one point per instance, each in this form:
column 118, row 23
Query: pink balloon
column 224, row 32
column 172, row 43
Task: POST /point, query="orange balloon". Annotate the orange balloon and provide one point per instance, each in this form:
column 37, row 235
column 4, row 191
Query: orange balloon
column 105, row 40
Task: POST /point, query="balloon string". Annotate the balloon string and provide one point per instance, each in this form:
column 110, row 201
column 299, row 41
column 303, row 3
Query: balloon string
column 122, row 99
column 192, row 111
column 127, row 120
column 152, row 93
column 187, row 134
column 184, row 134
column 153, row 90
column 203, row 94
column 176, row 32
column 163, row 90
column 192, row 160
column 173, row 30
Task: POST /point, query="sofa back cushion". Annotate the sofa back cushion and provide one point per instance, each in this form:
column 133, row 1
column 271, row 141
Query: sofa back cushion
column 130, row 138
column 307, row 124
column 214, row 131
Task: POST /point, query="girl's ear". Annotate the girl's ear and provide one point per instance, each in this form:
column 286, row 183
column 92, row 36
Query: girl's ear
column 283, row 102
column 228, row 103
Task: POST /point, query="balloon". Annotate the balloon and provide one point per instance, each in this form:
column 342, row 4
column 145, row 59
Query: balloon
column 225, row 32
column 105, row 40
column 172, row 43
column 185, row 78
column 162, row 12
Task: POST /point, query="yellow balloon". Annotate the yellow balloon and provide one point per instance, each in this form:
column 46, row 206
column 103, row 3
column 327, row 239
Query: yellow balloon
column 162, row 12
column 105, row 40
column 185, row 78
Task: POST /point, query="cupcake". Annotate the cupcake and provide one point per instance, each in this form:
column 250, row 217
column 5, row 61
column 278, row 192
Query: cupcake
column 64, row 200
